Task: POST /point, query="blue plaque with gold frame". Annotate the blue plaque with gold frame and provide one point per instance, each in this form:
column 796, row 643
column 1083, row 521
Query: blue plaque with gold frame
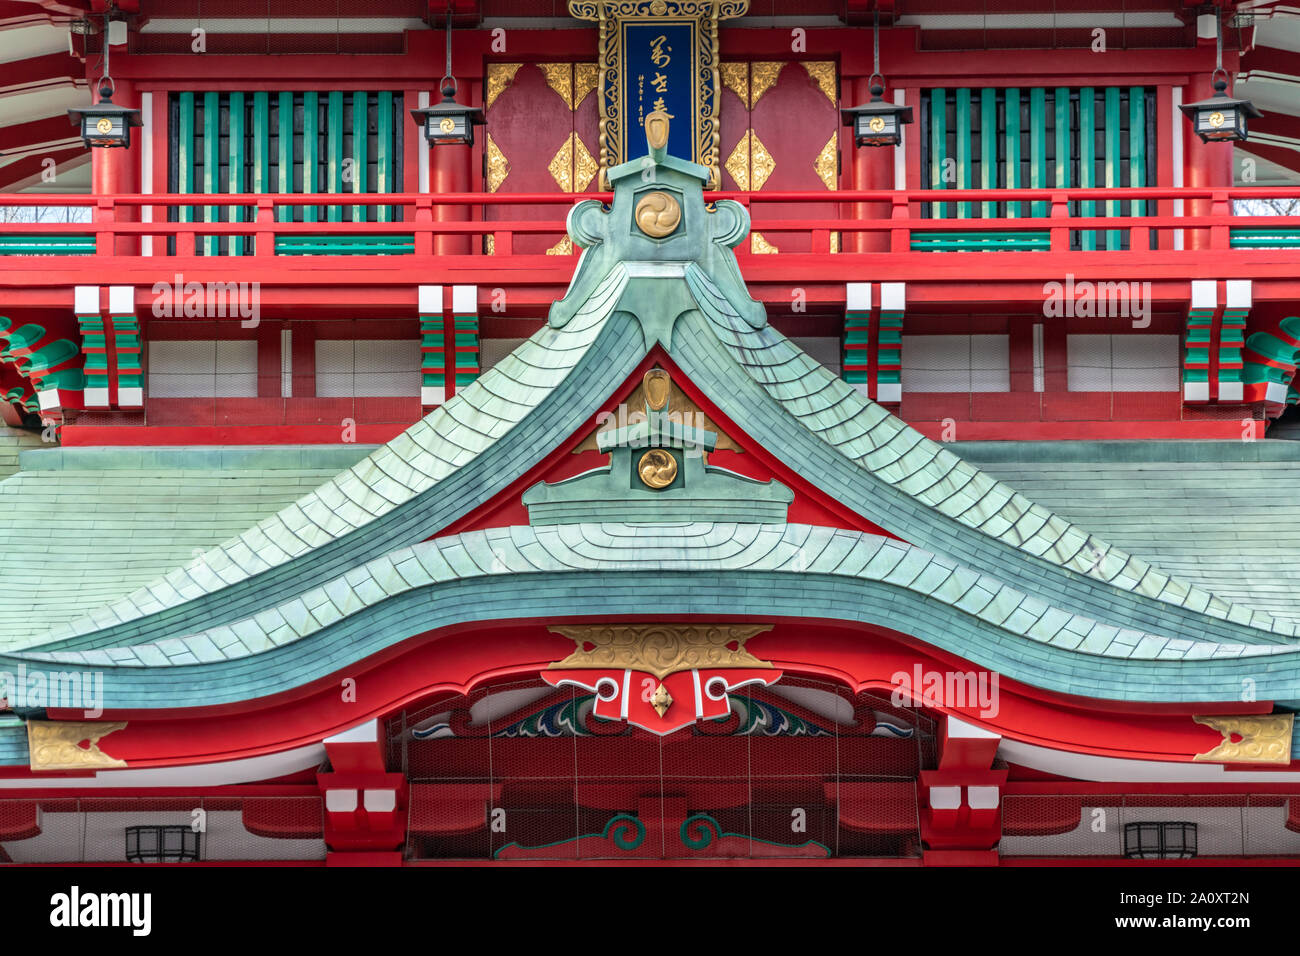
column 658, row 54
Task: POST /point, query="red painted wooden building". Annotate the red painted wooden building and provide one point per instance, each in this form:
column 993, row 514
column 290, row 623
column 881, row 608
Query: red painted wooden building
column 663, row 473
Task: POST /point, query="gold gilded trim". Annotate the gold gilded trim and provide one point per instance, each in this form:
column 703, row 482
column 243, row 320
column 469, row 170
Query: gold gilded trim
column 678, row 402
column 559, row 77
column 1265, row 738
column 586, row 77
column 498, row 167
column 55, row 744
column 761, row 163
column 760, row 246
column 562, row 248
column 738, row 162
column 735, row 77
column 763, row 76
column 827, row 163
column 660, row 649
column 585, row 166
column 822, row 73
column 657, row 384
column 561, row 166
column 499, row 76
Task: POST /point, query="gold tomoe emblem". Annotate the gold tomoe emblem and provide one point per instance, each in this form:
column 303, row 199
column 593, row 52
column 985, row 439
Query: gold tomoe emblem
column 657, row 468
column 1216, row 119
column 447, row 124
column 656, row 382
column 657, row 214
column 876, row 124
column 104, row 125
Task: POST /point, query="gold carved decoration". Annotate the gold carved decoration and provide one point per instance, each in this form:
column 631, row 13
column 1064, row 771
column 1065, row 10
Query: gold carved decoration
column 678, row 404
column 499, row 76
column 562, row 248
column 763, row 77
column 657, row 468
column 660, row 649
column 735, row 77
column 822, row 73
column 585, row 166
column 561, row 165
column 490, row 244
column 761, row 163
column 615, row 117
column 738, row 162
column 760, row 246
column 586, row 77
column 656, row 129
column 498, row 167
column 56, row 744
column 828, row 161
column 656, row 383
column 661, row 700
column 658, row 214
column 1264, row 738
column 559, row 77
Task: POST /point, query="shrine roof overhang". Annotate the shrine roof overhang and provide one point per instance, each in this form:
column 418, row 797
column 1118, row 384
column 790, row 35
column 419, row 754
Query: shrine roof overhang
column 699, row 569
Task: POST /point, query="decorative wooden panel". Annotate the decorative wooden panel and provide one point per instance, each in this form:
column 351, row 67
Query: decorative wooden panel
column 541, row 137
column 780, row 130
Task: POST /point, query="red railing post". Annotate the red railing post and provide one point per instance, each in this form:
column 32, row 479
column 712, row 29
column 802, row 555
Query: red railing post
column 105, row 214
column 264, row 239
column 1059, row 236
column 1220, row 236
column 900, row 233
column 423, row 214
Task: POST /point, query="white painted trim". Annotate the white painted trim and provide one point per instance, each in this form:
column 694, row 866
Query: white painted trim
column 900, row 151
column 315, row 25
column 130, row 397
column 1231, row 391
column 1178, row 127
column 1205, row 294
column 1037, row 21
column 1040, row 382
column 146, row 165
column 49, row 399
column 889, row 392
column 95, row 397
column 1196, row 391
column 422, row 100
column 959, row 729
column 121, row 300
column 380, row 801
column 430, row 300
column 893, row 296
column 464, row 300
column 366, row 732
column 1276, row 393
column 340, row 801
column 857, row 296
column 1238, row 294
column 85, row 300
column 982, row 798
column 220, row 774
column 945, row 798
column 1124, row 770
column 432, row 395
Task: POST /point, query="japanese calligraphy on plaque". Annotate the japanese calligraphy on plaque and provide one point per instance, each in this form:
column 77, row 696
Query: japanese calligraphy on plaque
column 658, row 55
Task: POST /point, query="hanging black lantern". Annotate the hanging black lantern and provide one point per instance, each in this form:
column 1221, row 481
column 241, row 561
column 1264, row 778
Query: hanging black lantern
column 876, row 122
column 1221, row 117
column 105, row 124
column 449, row 123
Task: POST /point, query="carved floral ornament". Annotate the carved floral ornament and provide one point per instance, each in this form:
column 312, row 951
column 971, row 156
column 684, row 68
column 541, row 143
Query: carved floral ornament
column 56, row 744
column 660, row 649
column 1256, row 738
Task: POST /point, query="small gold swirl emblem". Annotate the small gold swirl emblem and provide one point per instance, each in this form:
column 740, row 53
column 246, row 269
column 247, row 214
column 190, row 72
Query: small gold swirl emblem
column 657, row 468
column 657, row 214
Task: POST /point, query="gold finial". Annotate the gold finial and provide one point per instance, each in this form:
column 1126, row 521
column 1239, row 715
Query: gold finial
column 656, row 129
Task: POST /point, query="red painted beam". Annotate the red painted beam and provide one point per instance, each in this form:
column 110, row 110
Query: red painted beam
column 27, row 171
column 36, row 133
column 39, row 72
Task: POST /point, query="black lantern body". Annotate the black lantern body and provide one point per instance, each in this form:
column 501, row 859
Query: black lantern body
column 105, row 124
column 1221, row 118
column 877, row 123
column 449, row 123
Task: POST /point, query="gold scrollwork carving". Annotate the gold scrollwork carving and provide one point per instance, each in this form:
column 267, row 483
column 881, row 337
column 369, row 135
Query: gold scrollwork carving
column 586, row 77
column 559, row 77
column 56, row 744
column 737, row 163
column 761, row 162
column 1263, row 738
column 562, row 248
column 561, row 166
column 499, row 76
column 763, row 76
column 660, row 649
column 585, row 166
column 498, row 167
column 735, row 77
column 822, row 73
column 760, row 246
column 827, row 163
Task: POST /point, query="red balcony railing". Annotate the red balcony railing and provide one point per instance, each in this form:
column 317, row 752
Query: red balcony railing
column 885, row 220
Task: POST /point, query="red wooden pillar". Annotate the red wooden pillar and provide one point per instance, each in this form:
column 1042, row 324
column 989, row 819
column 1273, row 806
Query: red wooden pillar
column 117, row 171
column 1206, row 165
column 873, row 168
column 450, row 169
